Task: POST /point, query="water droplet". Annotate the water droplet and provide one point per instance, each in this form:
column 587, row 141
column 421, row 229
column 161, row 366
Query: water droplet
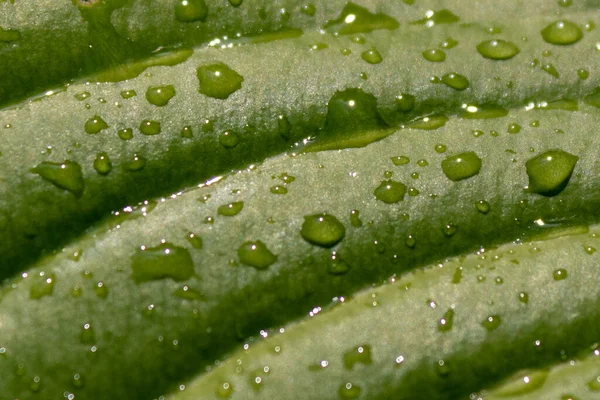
column 231, row 209
column 434, row 55
column 163, row 261
column 66, row 175
column 524, row 383
column 348, row 391
column 87, row 335
column 433, row 18
column 283, row 126
column 371, row 56
column 187, row 293
column 562, row 33
column 461, row 166
column 589, row 249
column 550, row 69
column 405, row 102
column 78, row 381
column 442, row 368
column 160, row 95
column 497, row 49
column 449, row 230
column 583, row 73
column 148, row 127
column 43, row 286
column 440, row 148
column 337, row 266
column 357, row 19
column 102, row 163
column 125, row 133
column 491, row 323
column 355, row 221
column 127, row 94
column 95, row 125
column 457, row 277
column 208, row 126
column 186, row 132
column 323, row 230
column 357, row 355
column 256, row 254
column 514, row 128
column 194, row 240
column 593, row 99
column 308, row 9
column 218, row 80
column 137, row 163
column 225, row 389
column 346, row 52
column 449, row 43
column 482, row 206
column 278, row 189
column 429, row 122
column 455, row 81
column 445, row 323
column 524, row 297
column 485, row 111
column 191, row 10
column 229, row 139
column 400, row 160
column 559, row 274
column 549, row 172
column 390, row 191
column 82, row 95
column 101, row 290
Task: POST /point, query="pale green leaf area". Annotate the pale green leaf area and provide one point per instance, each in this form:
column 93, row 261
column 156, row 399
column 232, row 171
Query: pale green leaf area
column 156, row 225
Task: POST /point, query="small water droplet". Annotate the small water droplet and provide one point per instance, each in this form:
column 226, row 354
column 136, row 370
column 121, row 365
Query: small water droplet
column 442, row 368
column 43, row 286
column 191, row 10
column 524, row 297
column 497, row 49
column 283, row 126
column 434, row 55
column 125, row 133
column 148, row 127
column 229, row 139
column 163, row 261
column 102, row 163
column 160, row 95
column 593, row 99
column 405, row 102
column 355, row 219
column 491, row 323
column 559, row 274
column 127, row 94
column 433, row 18
column 429, row 122
column 308, row 9
column 186, row 132
column 445, row 323
column 482, row 206
column 348, row 391
column 218, row 80
column 589, row 249
column 410, row 242
column 278, row 189
column 231, row 209
column 188, row 293
column 514, row 128
column 78, row 381
column 95, row 125
column 440, row 148
column 562, row 33
column 461, row 166
column 449, row 230
column 101, row 290
column 372, row 56
column 82, row 96
column 550, row 69
column 224, row 390
column 87, row 335
column 256, row 254
column 66, row 175
column 594, row 384
column 550, row 172
column 583, row 73
column 524, row 383
column 137, row 163
column 455, row 81
column 357, row 355
column 400, row 160
column 323, row 230
column 194, row 240
column 390, row 191
column 337, row 266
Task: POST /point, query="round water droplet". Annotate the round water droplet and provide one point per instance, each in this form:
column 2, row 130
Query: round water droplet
column 371, row 56
column 455, row 81
column 497, row 49
column 559, row 274
column 491, row 323
column 390, row 191
column 583, row 73
column 102, row 163
column 461, row 166
column 191, row 10
column 95, row 125
column 231, row 209
column 160, row 95
column 163, row 261
column 434, row 55
column 449, row 230
column 323, row 230
column 514, row 128
column 256, row 254
column 148, row 127
column 550, row 172
column 218, row 80
column 562, row 33
column 125, row 133
column 357, row 355
column 66, row 175
column 229, row 139
column 440, row 148
column 482, row 206
column 433, row 18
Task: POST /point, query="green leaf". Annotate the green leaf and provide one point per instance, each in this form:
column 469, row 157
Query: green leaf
column 182, row 202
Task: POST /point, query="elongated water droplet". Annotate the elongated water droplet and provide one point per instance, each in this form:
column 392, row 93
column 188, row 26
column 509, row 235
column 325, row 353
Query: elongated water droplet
column 445, row 323
column 434, row 55
column 231, row 209
column 549, row 172
column 194, row 240
column 43, row 286
column 102, row 163
column 256, row 254
column 455, row 81
column 433, row 18
column 497, row 49
column 218, row 80
column 429, row 122
column 485, row 111
column 524, row 383
column 82, row 95
column 127, row 94
column 562, row 33
column 400, row 160
column 371, row 56
column 461, row 166
column 95, row 125
column 357, row 355
column 390, row 191
column 278, row 189
column 66, row 175
column 323, row 230
column 163, row 261
column 357, row 19
column 160, row 95
column 550, row 69
column 188, row 293
column 191, row 10
column 148, row 127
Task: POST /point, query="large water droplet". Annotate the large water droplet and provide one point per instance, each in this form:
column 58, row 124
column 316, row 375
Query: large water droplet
column 357, row 19
column 218, row 80
column 163, row 261
column 497, row 49
column 390, row 191
column 549, row 172
column 256, row 254
column 191, row 10
column 562, row 33
column 461, row 166
column 160, row 95
column 66, row 175
column 455, row 81
column 323, row 230
column 95, row 125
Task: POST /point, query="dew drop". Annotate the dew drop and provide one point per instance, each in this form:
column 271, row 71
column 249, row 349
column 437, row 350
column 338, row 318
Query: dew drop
column 125, row 133
column 559, row 274
column 186, row 132
column 87, row 335
column 218, row 80
column 589, row 249
column 497, row 49
column 491, row 323
column 191, row 10
column 429, row 122
column 523, row 384
column 337, row 266
column 550, row 69
column 356, row 19
column 323, row 230
column 256, row 254
column 229, row 139
column 9, row 35
column 194, row 240
column 357, row 355
column 188, row 293
column 42, row 287
column 400, row 160
column 455, row 81
column 445, row 323
column 514, row 128
column 127, row 94
column 66, row 175
column 137, row 163
column 433, row 18
column 405, row 102
column 390, row 191
column 102, row 163
column 372, row 56
column 278, row 189
column 148, row 127
column 283, row 126
column 82, row 96
column 562, row 33
column 550, row 172
column 160, row 95
column 355, row 221
column 449, row 230
column 482, row 206
column 461, row 166
column 348, row 391
column 95, row 125
column 308, row 9
column 225, row 389
column 231, row 209
column 163, row 261
column 434, row 55
column 524, row 297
